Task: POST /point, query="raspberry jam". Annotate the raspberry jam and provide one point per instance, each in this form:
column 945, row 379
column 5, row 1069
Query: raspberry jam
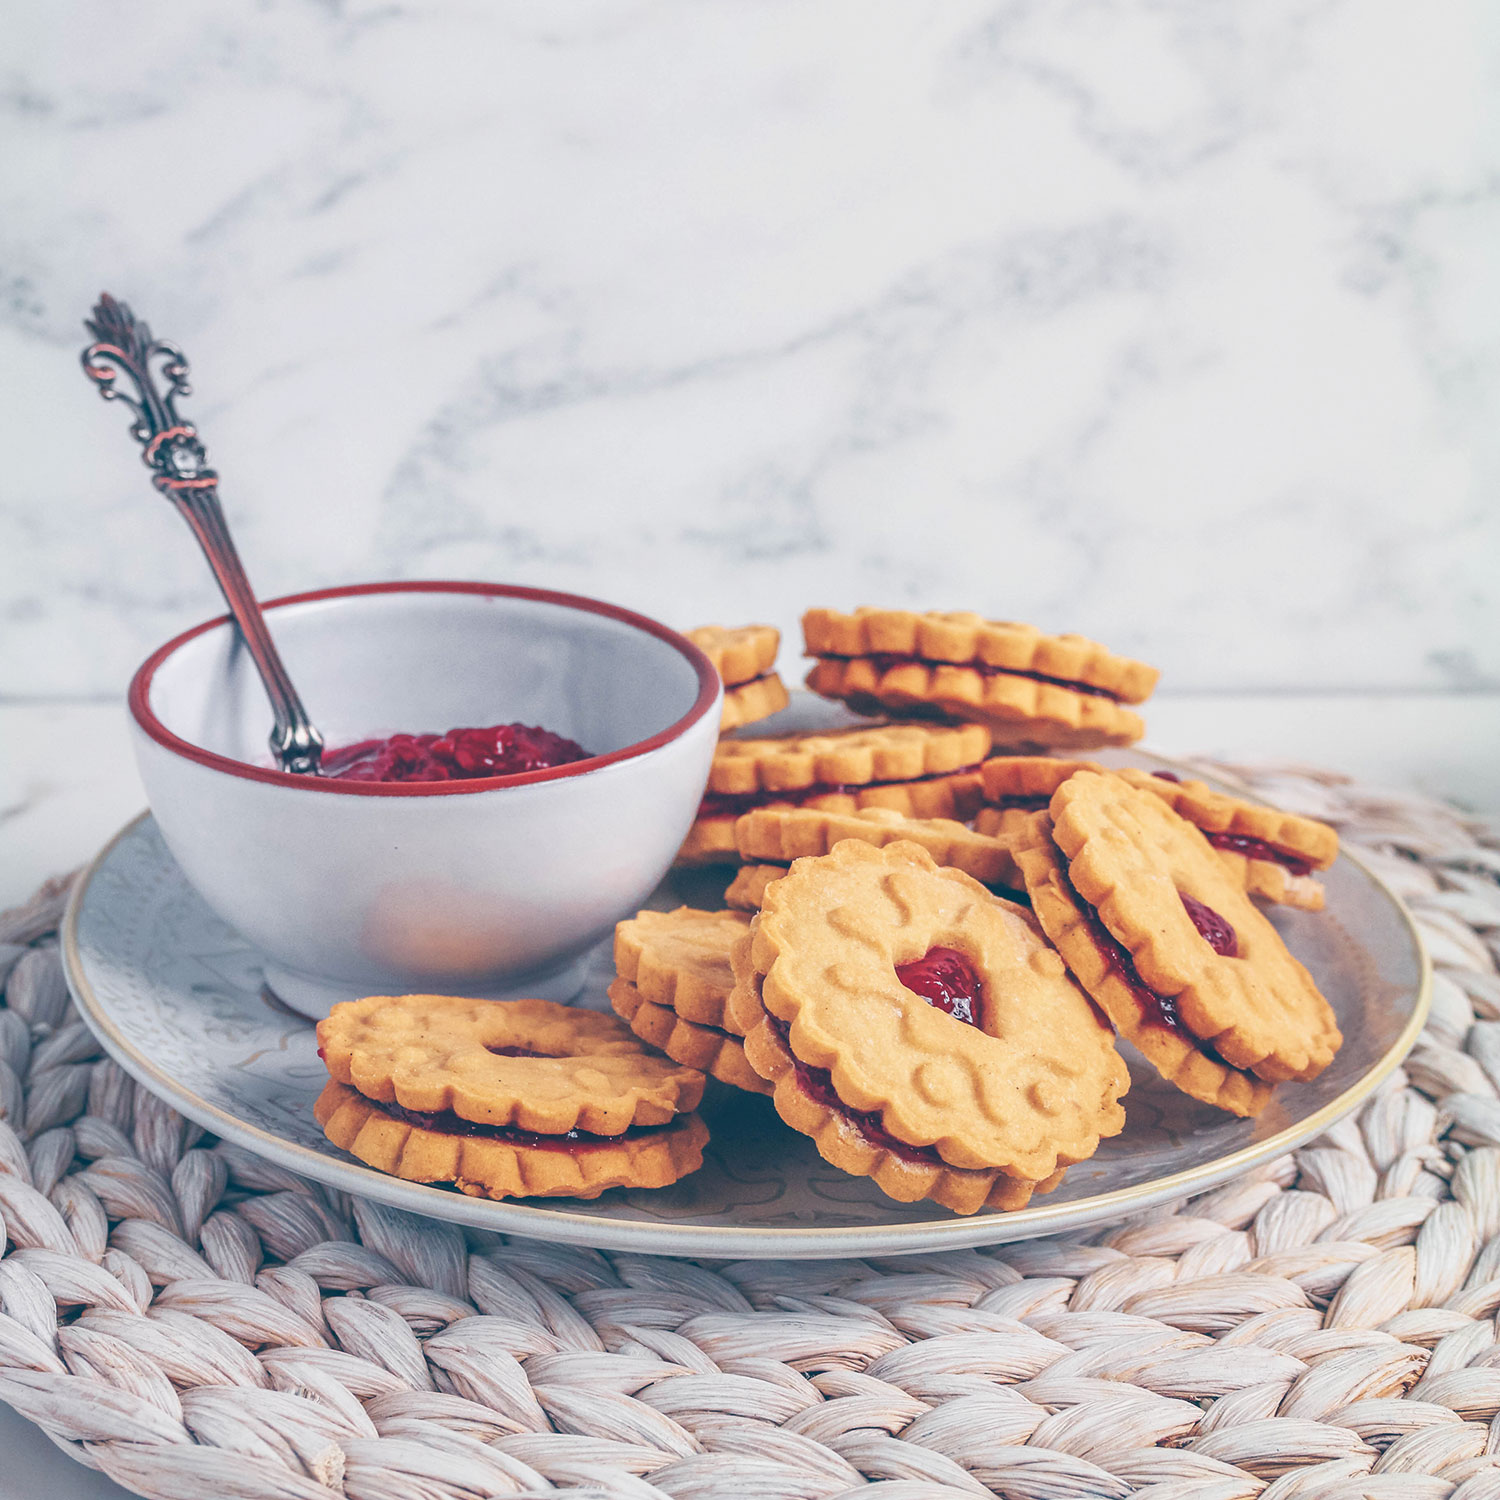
column 1214, row 930
column 1240, row 843
column 946, row 980
column 573, row 1142
column 817, row 1083
column 459, row 755
column 884, row 661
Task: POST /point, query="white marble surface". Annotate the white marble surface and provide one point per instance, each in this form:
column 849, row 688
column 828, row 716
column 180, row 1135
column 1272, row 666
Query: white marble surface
column 1169, row 322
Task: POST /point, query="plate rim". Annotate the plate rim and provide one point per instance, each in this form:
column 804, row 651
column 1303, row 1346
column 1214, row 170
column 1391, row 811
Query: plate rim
column 727, row 1241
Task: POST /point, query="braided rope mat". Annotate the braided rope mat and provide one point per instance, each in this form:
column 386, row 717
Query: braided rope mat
column 196, row 1322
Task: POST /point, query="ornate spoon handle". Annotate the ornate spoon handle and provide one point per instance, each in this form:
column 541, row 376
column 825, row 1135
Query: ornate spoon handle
column 179, row 470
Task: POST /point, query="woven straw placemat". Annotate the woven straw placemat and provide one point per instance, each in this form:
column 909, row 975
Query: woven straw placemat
column 198, row 1323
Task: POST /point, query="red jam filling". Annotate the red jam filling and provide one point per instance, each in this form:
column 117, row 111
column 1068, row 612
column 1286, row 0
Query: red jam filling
column 1213, row 929
column 459, row 755
column 1239, row 843
column 883, row 661
column 573, row 1142
column 817, row 1083
column 1167, row 776
column 733, row 804
column 946, row 980
column 516, row 1052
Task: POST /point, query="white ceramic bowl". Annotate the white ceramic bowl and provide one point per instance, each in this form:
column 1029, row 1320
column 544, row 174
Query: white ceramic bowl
column 494, row 886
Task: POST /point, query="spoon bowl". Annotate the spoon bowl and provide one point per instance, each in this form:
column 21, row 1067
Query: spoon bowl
column 496, row 886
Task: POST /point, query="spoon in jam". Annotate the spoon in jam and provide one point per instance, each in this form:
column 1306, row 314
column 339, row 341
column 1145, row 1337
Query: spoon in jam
column 179, row 469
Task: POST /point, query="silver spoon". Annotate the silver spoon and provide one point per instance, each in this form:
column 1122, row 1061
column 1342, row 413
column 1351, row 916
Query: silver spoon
column 180, row 471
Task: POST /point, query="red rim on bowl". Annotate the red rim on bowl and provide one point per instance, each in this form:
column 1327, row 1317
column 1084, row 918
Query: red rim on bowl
column 708, row 687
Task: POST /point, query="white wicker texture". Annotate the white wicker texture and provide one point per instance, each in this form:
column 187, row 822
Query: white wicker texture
column 196, row 1322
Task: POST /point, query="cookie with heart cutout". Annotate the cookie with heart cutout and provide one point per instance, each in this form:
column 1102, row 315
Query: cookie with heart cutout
column 710, row 1049
column 1273, row 852
column 530, row 1065
column 929, row 1023
column 1029, row 687
column 497, row 1161
column 1191, row 932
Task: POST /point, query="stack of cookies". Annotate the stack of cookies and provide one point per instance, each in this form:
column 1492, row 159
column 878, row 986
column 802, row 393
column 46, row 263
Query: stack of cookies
column 926, row 958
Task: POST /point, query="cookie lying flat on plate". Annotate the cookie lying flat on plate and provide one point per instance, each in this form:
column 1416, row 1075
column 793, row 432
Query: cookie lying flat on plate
column 1274, row 853
column 505, row 1098
column 919, row 770
column 1028, row 687
column 744, row 656
column 921, row 1030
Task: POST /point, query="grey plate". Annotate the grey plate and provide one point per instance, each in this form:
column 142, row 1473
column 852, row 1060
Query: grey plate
column 175, row 996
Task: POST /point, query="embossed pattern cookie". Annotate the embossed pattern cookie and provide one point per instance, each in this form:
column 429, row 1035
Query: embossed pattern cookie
column 744, row 656
column 1274, row 853
column 1196, row 957
column 921, row 1030
column 919, row 770
column 1030, row 688
column 680, row 959
column 505, row 1098
column 1105, row 970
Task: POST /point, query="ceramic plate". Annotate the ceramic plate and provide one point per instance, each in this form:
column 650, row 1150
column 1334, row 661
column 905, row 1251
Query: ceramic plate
column 176, row 997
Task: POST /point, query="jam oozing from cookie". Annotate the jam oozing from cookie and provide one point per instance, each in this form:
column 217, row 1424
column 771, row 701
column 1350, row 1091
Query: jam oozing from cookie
column 1167, row 776
column 884, row 661
column 1239, row 843
column 572, row 1142
column 1213, row 929
column 733, row 804
column 459, row 755
column 817, row 1083
column 946, row 980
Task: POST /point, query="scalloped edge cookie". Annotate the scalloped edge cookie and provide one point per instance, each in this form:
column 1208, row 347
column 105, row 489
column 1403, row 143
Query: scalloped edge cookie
column 485, row 1168
column 746, row 702
column 738, row 653
column 431, row 1053
column 963, row 637
column 680, row 959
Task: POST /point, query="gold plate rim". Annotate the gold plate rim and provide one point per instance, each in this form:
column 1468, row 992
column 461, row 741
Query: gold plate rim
column 730, row 1241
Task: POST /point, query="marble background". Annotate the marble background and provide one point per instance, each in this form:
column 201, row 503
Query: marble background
column 1174, row 323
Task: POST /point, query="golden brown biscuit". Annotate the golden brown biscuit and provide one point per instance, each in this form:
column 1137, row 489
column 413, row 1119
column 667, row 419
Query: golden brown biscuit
column 1273, row 852
column 857, row 1144
column 708, row 1048
column 1018, row 710
column 739, row 653
column 785, row 834
column 964, row 638
column 842, row 758
column 1016, row 1071
column 748, row 701
column 501, row 1164
column 680, row 959
column 1192, row 933
column 1104, row 969
column 748, row 888
column 531, row 1064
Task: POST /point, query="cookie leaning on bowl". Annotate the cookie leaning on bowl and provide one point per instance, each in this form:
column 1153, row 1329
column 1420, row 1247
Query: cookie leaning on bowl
column 921, row 1030
column 505, row 1099
column 1273, row 852
column 1051, row 691
column 744, row 656
column 920, row 770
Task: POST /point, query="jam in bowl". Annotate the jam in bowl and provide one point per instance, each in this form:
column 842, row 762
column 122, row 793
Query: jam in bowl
column 493, row 878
